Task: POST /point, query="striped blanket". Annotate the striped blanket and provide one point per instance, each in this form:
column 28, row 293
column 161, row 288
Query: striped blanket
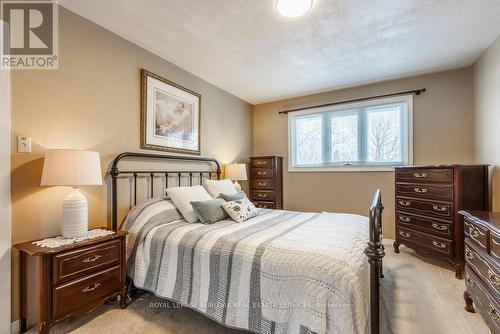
column 280, row 272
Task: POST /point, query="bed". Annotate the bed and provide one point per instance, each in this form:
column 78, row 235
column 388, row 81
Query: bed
column 279, row 272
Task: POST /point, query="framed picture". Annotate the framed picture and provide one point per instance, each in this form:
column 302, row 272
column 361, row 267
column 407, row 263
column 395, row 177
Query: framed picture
column 170, row 116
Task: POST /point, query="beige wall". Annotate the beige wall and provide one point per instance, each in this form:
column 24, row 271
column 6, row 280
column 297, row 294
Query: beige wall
column 487, row 114
column 5, row 228
column 92, row 102
column 442, row 134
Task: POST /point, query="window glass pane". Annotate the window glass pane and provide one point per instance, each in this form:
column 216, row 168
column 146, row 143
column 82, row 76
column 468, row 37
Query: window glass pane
column 384, row 133
column 344, row 137
column 308, row 143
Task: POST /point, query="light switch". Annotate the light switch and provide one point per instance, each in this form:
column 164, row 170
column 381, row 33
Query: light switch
column 23, row 144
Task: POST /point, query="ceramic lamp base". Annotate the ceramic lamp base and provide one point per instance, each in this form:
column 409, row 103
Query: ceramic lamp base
column 75, row 215
column 237, row 186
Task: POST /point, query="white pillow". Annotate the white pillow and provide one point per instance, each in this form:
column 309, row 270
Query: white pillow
column 216, row 187
column 240, row 210
column 182, row 196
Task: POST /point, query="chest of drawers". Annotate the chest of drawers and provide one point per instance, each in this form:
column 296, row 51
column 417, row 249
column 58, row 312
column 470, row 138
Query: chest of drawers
column 266, row 182
column 428, row 199
column 482, row 265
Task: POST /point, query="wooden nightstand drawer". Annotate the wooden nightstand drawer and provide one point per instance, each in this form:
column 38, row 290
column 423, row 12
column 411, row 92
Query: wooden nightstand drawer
column 424, row 175
column 476, row 233
column 262, row 195
column 86, row 293
column 264, row 205
column 71, row 264
column 261, row 162
column 263, row 184
column 262, row 173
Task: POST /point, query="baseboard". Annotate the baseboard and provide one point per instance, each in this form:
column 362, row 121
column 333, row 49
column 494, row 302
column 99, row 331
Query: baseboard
column 14, row 327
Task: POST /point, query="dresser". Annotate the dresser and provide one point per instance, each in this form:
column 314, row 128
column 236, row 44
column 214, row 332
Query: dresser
column 482, row 265
column 428, row 199
column 266, row 182
column 70, row 280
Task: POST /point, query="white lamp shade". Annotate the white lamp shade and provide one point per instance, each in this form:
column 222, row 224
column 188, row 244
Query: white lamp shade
column 71, row 168
column 236, row 172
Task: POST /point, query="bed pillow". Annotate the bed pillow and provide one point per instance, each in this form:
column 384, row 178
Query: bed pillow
column 182, row 196
column 216, row 187
column 210, row 211
column 240, row 210
column 232, row 197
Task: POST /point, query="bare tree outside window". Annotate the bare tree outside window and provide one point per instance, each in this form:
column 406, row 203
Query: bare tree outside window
column 384, row 140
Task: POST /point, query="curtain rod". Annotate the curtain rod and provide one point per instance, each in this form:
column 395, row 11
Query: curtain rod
column 416, row 92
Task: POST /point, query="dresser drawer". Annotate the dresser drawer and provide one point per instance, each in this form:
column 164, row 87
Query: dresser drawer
column 495, row 246
column 424, row 175
column 85, row 291
column 426, row 244
column 437, row 192
column 477, row 234
column 432, row 226
column 262, row 195
column 262, row 184
column 484, row 302
column 437, row 209
column 69, row 265
column 261, row 162
column 264, row 205
column 482, row 265
column 262, row 173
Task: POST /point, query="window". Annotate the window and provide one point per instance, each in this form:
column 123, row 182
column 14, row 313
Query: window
column 373, row 135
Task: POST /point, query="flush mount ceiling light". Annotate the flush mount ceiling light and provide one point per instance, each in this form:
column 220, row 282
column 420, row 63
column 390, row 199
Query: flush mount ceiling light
column 293, row 8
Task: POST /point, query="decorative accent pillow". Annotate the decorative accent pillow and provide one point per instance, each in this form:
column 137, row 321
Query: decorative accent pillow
column 232, row 197
column 210, row 211
column 240, row 210
column 182, row 196
column 216, row 187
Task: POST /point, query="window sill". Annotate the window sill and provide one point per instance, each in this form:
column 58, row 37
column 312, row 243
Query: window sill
column 341, row 169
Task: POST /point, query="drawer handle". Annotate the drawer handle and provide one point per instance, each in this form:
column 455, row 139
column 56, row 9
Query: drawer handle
column 420, row 190
column 439, row 244
column 261, row 173
column 91, row 288
column 469, row 255
column 261, row 184
column 492, row 311
column 404, row 203
column 440, row 208
column 405, row 219
column 404, row 234
column 261, row 195
column 493, row 278
column 420, row 175
column 469, row 282
column 260, row 162
column 440, row 227
column 92, row 258
column 473, row 232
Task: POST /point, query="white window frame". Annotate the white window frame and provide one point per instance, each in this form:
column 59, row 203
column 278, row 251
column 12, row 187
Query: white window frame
column 354, row 168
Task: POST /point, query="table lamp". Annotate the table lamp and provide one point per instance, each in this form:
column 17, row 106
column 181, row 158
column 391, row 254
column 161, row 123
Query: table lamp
column 72, row 168
column 236, row 172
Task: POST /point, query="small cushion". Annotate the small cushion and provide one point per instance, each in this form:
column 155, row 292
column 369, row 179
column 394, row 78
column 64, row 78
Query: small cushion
column 182, row 196
column 232, row 197
column 216, row 187
column 210, row 211
column 240, row 209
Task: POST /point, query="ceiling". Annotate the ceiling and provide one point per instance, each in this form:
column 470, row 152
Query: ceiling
column 247, row 49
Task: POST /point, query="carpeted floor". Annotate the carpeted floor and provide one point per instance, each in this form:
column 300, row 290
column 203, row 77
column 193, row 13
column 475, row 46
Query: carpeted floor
column 418, row 296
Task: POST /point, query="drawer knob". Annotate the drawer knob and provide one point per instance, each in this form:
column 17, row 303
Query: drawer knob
column 493, row 278
column 473, row 232
column 92, row 258
column 469, row 282
column 91, row 287
column 440, row 208
column 404, row 234
column 492, row 311
column 439, row 244
column 420, row 175
column 405, row 219
column 404, row 203
column 420, row 190
column 469, row 255
column 440, row 227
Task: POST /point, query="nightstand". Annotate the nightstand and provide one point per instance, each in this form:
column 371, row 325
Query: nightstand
column 71, row 280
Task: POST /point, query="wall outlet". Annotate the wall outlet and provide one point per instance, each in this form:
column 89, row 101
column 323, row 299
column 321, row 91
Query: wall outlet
column 23, row 144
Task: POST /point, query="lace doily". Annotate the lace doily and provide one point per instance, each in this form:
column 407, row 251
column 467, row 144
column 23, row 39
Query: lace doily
column 60, row 241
